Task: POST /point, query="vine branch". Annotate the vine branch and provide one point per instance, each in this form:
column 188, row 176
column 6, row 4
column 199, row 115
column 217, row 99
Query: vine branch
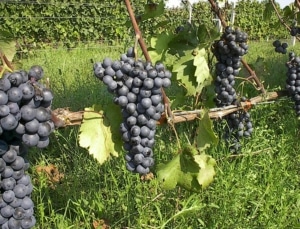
column 68, row 118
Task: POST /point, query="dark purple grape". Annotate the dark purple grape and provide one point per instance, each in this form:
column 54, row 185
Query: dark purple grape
column 146, row 102
column 19, row 213
column 7, row 172
column 30, row 139
column 15, row 78
column 14, row 223
column 3, row 98
column 27, row 91
column 135, row 131
column 4, row 110
column 8, row 183
column 9, row 156
column 44, row 129
column 8, row 196
column 28, row 113
column 7, row 211
column 18, row 163
column 148, row 83
column 148, row 162
column 14, row 94
column 27, row 203
column 9, row 122
column 16, row 202
column 28, row 222
column 138, row 158
column 130, row 166
column 18, row 174
column 4, row 84
column 47, row 95
column 145, row 131
column 36, row 72
column 142, row 170
column 43, row 142
column 13, row 107
column 32, row 126
column 20, row 190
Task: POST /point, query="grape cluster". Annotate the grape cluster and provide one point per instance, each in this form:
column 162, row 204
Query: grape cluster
column 229, row 51
column 293, row 80
column 294, row 31
column 280, row 47
column 239, row 125
column 137, row 86
column 25, row 121
column 25, row 112
column 16, row 206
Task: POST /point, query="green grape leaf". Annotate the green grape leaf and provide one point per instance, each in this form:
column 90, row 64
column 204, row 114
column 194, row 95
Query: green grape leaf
column 205, row 136
column 159, row 46
column 184, row 70
column 96, row 135
column 169, row 173
column 268, row 11
column 185, row 170
column 207, row 35
column 153, row 10
column 288, row 11
column 207, row 171
column 7, row 45
column 193, row 72
column 160, row 43
column 202, row 73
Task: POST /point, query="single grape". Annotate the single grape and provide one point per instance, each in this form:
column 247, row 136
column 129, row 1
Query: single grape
column 20, row 190
column 28, row 113
column 36, row 72
column 32, row 126
column 28, row 222
column 30, row 139
column 18, row 163
column 7, row 211
column 4, row 84
column 14, row 223
column 43, row 114
column 8, row 196
column 3, row 98
column 27, row 203
column 9, row 156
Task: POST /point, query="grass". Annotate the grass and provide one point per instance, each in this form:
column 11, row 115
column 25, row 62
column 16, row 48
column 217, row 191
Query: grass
column 260, row 188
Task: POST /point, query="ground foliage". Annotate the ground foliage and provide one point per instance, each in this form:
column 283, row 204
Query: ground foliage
column 37, row 23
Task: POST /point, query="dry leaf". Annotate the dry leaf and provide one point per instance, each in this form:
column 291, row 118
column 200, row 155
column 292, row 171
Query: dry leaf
column 100, row 224
column 52, row 174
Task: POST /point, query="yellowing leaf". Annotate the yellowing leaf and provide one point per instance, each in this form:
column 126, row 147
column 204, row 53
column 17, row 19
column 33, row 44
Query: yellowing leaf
column 95, row 135
column 207, row 171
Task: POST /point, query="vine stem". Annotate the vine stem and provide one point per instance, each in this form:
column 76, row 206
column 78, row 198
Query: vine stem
column 218, row 12
column 137, row 31
column 69, row 118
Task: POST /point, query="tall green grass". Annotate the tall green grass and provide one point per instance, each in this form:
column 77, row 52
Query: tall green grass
column 260, row 188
